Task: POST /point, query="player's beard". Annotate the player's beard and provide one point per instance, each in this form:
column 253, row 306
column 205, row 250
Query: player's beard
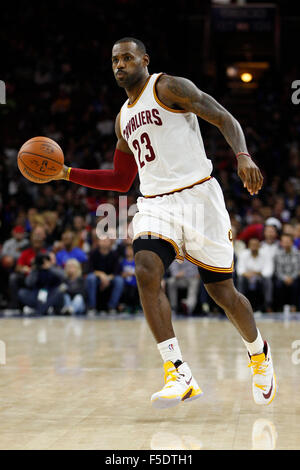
column 128, row 81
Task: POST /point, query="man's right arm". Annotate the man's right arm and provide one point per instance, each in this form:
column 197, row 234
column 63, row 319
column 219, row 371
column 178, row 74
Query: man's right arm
column 120, row 178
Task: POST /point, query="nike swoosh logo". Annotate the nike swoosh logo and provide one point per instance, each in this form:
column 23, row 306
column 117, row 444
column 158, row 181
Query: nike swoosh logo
column 267, row 395
column 188, row 381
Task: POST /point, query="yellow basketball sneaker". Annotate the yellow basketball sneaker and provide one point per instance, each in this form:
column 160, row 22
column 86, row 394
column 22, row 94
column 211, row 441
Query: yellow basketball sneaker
column 180, row 385
column 264, row 380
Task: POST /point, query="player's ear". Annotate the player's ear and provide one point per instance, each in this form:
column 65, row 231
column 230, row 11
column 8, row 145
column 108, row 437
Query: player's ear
column 146, row 60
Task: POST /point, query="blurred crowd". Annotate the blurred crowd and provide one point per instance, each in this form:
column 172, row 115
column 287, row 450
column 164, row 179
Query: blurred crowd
column 51, row 259
column 48, row 268
column 74, row 273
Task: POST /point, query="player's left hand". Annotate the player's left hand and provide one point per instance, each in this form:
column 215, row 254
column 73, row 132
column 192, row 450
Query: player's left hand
column 250, row 174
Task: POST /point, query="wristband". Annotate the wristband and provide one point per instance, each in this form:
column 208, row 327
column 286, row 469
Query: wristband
column 68, row 173
column 243, row 153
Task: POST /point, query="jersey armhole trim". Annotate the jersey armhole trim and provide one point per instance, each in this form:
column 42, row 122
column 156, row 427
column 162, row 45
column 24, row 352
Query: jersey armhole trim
column 120, row 113
column 178, row 111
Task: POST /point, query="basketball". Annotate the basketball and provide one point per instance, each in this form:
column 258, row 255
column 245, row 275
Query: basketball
column 40, row 159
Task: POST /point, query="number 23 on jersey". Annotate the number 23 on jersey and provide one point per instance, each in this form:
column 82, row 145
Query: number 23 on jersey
column 144, row 149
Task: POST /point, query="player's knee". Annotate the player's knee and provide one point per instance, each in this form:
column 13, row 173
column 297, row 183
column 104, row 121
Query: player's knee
column 147, row 269
column 226, row 296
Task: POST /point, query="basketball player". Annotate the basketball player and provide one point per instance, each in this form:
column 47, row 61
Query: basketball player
column 159, row 137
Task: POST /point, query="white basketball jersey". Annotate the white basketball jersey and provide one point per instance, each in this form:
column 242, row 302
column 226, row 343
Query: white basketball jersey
column 166, row 143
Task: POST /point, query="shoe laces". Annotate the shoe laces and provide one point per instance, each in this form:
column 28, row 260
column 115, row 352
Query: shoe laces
column 262, row 387
column 172, row 375
column 258, row 367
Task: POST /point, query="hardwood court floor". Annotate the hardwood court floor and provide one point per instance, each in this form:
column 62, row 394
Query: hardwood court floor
column 86, row 384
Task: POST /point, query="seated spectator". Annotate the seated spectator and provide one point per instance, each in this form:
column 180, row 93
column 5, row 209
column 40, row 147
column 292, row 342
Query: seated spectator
column 183, row 276
column 121, row 246
column 279, row 210
column 287, row 267
column 270, row 243
column 52, row 226
column 62, row 102
column 288, row 229
column 131, row 294
column 104, row 276
column 41, row 292
column 10, row 252
column 291, row 198
column 253, row 230
column 297, row 236
column 15, row 245
column 24, row 262
column 253, row 267
column 238, row 245
column 68, row 250
column 274, row 223
column 73, row 289
column 81, row 233
column 93, row 239
column 269, row 248
column 30, row 220
column 37, row 221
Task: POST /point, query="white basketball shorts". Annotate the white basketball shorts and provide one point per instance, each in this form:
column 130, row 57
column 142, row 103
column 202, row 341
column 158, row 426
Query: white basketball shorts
column 194, row 220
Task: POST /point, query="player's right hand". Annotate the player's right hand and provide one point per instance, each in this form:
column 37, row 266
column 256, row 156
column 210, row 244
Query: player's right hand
column 62, row 175
column 250, row 174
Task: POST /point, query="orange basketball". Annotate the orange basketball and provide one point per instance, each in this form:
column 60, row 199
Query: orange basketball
column 40, row 159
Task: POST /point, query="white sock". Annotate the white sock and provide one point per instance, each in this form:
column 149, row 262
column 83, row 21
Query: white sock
column 257, row 347
column 170, row 351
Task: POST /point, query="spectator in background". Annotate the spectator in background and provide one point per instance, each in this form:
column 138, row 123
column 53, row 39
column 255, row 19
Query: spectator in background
column 104, row 276
column 252, row 269
column 183, row 276
column 287, row 268
column 15, row 245
column 93, row 239
column 9, row 254
column 269, row 248
column 61, row 103
column 253, row 230
column 130, row 295
column 297, row 236
column 41, row 292
column 296, row 217
column 81, row 233
column 52, row 227
column 270, row 243
column 279, row 210
column 274, row 222
column 30, row 219
column 73, row 289
column 121, row 246
column 238, row 245
column 24, row 263
column 291, row 197
column 36, row 220
column 68, row 250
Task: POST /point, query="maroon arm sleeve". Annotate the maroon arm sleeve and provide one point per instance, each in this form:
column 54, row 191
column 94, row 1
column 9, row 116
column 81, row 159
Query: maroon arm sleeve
column 120, row 178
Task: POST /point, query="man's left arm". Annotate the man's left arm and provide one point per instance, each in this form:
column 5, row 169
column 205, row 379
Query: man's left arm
column 181, row 93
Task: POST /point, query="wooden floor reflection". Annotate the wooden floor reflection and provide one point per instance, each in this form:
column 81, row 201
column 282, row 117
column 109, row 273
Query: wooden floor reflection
column 86, row 384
